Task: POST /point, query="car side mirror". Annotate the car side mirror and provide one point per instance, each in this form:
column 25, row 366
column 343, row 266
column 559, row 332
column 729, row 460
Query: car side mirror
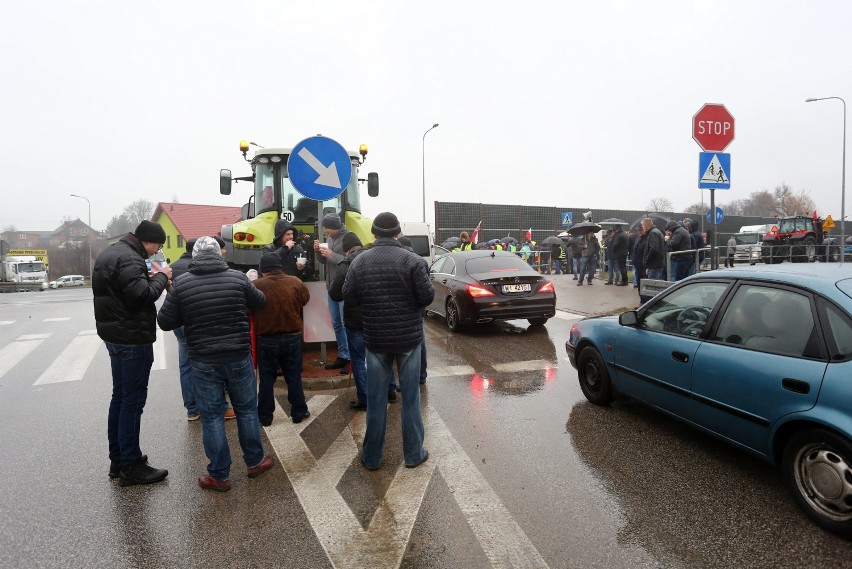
column 628, row 318
column 225, row 182
column 372, row 184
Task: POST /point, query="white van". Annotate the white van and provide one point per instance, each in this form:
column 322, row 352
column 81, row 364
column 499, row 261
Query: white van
column 421, row 238
column 68, row 281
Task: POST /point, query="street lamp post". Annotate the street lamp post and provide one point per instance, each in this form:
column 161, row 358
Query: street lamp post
column 842, row 178
column 89, row 236
column 424, row 169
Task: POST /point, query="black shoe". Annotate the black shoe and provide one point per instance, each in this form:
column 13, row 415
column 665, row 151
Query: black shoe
column 141, row 473
column 355, row 406
column 607, row 283
column 345, row 369
column 580, row 283
column 298, row 420
column 265, row 421
column 422, row 460
column 115, row 469
column 338, row 363
column 392, row 396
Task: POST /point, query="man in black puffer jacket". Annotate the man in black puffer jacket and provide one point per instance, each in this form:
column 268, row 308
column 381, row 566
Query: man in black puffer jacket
column 125, row 315
column 211, row 302
column 392, row 286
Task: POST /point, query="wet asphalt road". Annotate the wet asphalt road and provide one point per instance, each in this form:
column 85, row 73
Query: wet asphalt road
column 523, row 472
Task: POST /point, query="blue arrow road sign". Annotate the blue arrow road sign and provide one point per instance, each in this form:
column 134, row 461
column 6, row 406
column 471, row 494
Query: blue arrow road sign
column 714, row 171
column 319, row 168
column 720, row 215
column 567, row 219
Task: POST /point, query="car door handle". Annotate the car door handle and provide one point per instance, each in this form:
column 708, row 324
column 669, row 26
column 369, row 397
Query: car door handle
column 680, row 357
column 796, row 385
column 444, row 281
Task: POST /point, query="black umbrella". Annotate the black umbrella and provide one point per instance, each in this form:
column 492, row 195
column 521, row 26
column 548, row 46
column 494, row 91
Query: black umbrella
column 552, row 240
column 508, row 239
column 584, row 228
column 451, row 243
column 613, row 221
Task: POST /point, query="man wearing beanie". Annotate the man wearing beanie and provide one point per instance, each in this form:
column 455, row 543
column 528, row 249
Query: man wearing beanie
column 285, row 244
column 125, row 315
column 279, row 338
column 354, row 322
column 392, row 287
column 211, row 302
column 335, row 231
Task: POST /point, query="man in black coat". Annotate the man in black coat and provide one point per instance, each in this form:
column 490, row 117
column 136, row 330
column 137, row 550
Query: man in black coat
column 125, row 315
column 212, row 302
column 293, row 257
column 618, row 248
column 392, row 287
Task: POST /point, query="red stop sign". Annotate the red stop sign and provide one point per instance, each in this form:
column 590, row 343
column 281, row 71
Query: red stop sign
column 713, row 127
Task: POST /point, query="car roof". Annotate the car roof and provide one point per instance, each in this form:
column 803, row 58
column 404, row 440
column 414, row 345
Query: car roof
column 476, row 253
column 828, row 279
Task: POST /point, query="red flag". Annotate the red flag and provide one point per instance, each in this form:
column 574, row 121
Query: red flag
column 529, row 234
column 474, row 237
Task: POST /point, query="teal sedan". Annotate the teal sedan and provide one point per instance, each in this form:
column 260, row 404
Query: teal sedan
column 760, row 357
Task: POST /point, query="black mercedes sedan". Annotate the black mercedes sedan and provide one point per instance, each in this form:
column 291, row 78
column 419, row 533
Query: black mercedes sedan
column 477, row 287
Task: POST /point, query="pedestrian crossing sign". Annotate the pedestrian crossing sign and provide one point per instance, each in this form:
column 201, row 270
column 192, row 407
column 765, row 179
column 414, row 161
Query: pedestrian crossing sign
column 567, row 219
column 714, row 171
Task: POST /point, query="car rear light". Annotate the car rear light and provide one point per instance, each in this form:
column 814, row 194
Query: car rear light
column 546, row 287
column 478, row 291
column 249, row 237
column 239, row 236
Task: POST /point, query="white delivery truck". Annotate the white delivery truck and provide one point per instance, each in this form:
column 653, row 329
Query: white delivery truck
column 421, row 238
column 749, row 241
column 19, row 273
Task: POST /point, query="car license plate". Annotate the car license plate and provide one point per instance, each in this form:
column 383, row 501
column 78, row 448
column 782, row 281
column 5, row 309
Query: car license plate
column 517, row 288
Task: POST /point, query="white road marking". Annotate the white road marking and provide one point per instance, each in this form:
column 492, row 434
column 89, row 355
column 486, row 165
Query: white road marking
column 384, row 541
column 6, row 322
column 13, row 353
column 451, row 370
column 530, row 365
column 159, row 352
column 568, row 315
column 56, row 319
column 72, row 363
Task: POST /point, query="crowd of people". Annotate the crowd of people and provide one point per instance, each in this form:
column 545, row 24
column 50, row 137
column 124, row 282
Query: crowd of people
column 236, row 330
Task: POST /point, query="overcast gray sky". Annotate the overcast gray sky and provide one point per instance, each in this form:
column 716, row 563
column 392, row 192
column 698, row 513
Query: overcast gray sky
column 539, row 103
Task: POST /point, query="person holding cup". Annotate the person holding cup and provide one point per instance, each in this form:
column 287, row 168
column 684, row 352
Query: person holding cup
column 330, row 254
column 293, row 256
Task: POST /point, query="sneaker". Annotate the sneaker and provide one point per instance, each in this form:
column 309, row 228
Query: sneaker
column 356, row 406
column 338, row 363
column 580, row 283
column 141, row 473
column 392, row 396
column 575, row 278
column 264, row 465
column 209, row 483
column 590, row 283
column 421, row 461
column 193, row 416
column 298, row 420
column 229, row 413
column 607, row 283
column 115, row 469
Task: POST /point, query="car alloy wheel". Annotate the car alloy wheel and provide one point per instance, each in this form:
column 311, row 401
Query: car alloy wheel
column 817, row 465
column 594, row 377
column 452, row 315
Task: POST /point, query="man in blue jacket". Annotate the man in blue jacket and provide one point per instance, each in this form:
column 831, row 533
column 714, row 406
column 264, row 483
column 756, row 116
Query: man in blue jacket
column 392, row 287
column 211, row 302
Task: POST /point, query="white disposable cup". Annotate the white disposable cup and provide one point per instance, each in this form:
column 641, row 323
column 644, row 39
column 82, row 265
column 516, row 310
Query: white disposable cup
column 301, row 262
column 323, row 245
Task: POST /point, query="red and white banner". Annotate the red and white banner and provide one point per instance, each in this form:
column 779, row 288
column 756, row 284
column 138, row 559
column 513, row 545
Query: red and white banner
column 474, row 237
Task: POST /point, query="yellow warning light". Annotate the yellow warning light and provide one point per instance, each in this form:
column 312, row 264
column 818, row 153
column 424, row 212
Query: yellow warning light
column 363, row 150
column 244, row 146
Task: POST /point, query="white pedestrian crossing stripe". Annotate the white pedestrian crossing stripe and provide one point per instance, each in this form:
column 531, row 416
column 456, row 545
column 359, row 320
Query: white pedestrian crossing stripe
column 159, row 352
column 6, row 322
column 563, row 315
column 446, row 371
column 529, row 365
column 383, row 542
column 13, row 353
column 72, row 363
column 56, row 319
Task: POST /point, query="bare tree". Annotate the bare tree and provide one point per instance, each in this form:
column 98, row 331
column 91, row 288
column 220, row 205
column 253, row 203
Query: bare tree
column 759, row 204
column 660, row 204
column 787, row 202
column 119, row 225
column 139, row 210
column 697, row 209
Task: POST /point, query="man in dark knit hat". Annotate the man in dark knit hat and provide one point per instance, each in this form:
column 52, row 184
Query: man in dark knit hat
column 293, row 257
column 126, row 318
column 330, row 256
column 279, row 338
column 392, row 287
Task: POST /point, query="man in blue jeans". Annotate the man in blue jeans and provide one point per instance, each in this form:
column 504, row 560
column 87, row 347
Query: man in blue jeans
column 330, row 255
column 392, row 287
column 125, row 315
column 211, row 302
column 279, row 338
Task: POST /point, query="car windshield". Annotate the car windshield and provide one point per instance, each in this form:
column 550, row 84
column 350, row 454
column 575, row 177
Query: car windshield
column 746, row 238
column 35, row 267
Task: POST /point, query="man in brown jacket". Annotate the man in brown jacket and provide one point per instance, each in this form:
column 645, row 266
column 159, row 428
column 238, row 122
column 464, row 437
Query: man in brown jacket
column 279, row 338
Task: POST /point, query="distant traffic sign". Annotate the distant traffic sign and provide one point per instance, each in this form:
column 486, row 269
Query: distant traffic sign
column 567, row 219
column 714, row 171
column 720, row 215
column 319, row 168
column 713, row 127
